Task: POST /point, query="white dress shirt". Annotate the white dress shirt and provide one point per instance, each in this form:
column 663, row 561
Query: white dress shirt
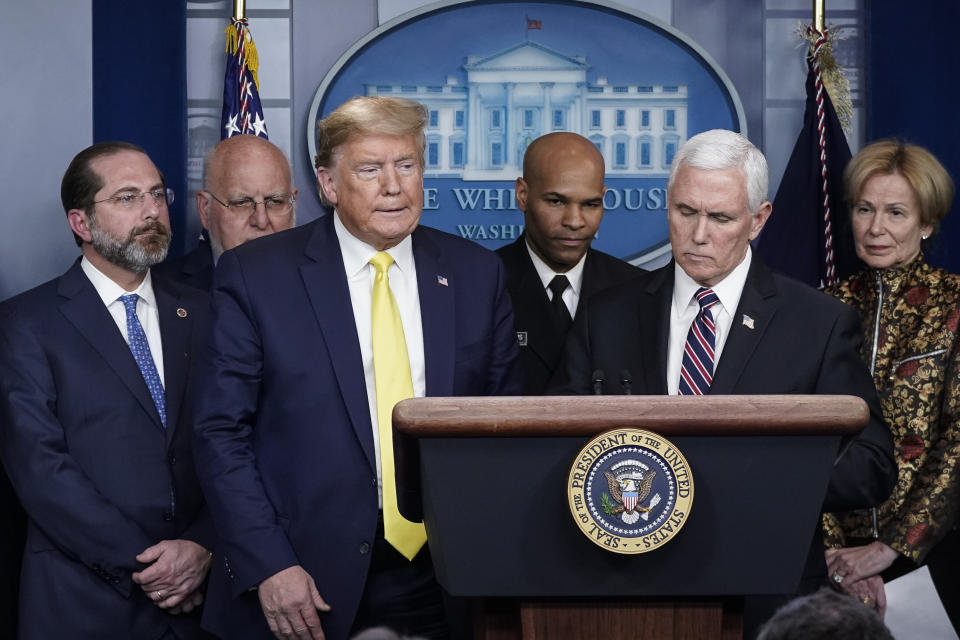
column 147, row 312
column 402, row 275
column 684, row 310
column 571, row 295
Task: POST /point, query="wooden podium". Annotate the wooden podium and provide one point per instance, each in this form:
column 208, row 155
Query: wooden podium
column 492, row 474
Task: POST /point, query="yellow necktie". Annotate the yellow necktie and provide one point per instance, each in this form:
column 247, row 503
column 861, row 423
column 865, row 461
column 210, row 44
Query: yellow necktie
column 391, row 371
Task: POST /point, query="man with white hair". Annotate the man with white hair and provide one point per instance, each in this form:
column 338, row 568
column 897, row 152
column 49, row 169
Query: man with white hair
column 247, row 193
column 716, row 320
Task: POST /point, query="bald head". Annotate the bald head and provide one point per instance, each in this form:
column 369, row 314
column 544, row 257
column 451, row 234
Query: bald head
column 563, row 147
column 239, row 170
column 561, row 196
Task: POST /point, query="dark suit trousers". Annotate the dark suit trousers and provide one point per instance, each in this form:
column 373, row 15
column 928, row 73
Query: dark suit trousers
column 943, row 560
column 401, row 594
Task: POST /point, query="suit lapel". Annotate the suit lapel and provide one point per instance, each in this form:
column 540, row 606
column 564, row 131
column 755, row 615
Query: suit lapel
column 326, row 284
column 176, row 327
column 654, row 329
column 199, row 260
column 532, row 308
column 436, row 287
column 588, row 285
column 758, row 303
column 84, row 309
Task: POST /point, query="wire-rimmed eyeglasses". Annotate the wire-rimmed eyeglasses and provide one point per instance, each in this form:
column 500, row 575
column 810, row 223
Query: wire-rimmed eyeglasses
column 276, row 205
column 132, row 199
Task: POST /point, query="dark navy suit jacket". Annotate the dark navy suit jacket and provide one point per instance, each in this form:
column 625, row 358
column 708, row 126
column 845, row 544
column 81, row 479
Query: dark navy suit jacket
column 533, row 315
column 284, row 441
column 98, row 475
column 194, row 269
column 794, row 340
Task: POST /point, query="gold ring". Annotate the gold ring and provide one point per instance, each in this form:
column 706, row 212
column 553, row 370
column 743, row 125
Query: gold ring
column 866, row 600
column 159, row 596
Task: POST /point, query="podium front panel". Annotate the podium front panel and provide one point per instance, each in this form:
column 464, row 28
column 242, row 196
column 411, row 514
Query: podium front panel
column 498, row 521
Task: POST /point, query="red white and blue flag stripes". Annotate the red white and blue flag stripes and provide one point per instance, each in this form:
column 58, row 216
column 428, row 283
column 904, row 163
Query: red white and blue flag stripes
column 242, row 111
column 696, row 370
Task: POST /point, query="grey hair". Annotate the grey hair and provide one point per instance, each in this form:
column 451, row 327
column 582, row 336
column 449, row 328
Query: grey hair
column 211, row 155
column 722, row 149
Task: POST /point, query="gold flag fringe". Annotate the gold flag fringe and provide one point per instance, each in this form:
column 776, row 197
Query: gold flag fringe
column 834, row 75
column 249, row 49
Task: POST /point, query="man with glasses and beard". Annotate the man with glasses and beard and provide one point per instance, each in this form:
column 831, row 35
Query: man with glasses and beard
column 94, row 369
column 247, row 192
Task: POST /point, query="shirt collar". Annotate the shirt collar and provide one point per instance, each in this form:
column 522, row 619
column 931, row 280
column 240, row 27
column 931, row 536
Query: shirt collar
column 728, row 290
column 109, row 291
column 546, row 274
column 357, row 253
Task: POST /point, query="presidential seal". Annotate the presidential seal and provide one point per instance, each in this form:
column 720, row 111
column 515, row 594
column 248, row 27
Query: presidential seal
column 630, row 490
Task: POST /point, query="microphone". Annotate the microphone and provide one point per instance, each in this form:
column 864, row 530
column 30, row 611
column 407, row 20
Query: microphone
column 598, row 380
column 626, row 382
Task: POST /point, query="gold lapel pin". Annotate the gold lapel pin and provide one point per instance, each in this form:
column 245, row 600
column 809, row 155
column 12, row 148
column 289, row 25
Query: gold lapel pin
column 182, row 312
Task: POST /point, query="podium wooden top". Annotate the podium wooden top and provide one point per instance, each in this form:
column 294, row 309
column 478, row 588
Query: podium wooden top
column 668, row 415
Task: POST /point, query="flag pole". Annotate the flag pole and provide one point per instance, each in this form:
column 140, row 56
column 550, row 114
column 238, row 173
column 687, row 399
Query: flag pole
column 819, row 11
column 239, row 10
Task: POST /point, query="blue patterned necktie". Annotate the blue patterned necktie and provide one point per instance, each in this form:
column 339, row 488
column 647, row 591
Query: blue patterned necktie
column 141, row 353
column 696, row 371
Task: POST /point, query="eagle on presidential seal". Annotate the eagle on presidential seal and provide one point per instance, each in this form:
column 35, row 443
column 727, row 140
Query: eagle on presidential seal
column 629, row 490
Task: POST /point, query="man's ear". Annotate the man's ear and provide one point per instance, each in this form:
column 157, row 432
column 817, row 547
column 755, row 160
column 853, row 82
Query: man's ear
column 80, row 224
column 203, row 208
column 327, row 184
column 759, row 219
column 520, row 189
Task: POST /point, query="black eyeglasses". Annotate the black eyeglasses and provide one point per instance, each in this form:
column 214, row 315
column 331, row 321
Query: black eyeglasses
column 134, row 199
column 277, row 205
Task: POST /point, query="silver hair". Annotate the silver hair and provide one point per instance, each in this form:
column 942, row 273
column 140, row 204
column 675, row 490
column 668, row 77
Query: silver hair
column 722, row 149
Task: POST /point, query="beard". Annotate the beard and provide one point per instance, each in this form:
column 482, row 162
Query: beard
column 135, row 253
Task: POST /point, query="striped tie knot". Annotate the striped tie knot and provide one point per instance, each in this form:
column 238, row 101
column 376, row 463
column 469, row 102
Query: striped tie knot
column 706, row 298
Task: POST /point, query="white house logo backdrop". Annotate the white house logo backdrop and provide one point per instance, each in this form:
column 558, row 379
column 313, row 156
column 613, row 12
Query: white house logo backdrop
column 494, row 76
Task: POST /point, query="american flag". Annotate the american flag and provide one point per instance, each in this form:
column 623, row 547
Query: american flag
column 242, row 112
column 809, row 237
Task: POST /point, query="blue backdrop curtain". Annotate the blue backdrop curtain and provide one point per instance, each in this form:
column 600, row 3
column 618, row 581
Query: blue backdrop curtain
column 912, row 91
column 140, row 88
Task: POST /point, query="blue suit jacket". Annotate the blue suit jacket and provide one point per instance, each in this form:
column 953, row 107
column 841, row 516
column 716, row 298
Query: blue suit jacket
column 194, row 269
column 284, row 442
column 99, row 477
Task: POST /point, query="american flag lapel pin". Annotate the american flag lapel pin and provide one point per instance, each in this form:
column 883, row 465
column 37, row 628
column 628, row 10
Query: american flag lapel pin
column 442, row 281
column 747, row 321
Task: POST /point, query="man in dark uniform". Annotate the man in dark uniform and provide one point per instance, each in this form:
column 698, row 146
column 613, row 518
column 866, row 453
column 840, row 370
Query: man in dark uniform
column 551, row 269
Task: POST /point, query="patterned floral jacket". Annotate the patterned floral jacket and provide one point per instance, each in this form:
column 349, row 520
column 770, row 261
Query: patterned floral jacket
column 910, row 318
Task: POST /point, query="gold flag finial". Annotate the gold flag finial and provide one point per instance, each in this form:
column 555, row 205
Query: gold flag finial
column 819, row 13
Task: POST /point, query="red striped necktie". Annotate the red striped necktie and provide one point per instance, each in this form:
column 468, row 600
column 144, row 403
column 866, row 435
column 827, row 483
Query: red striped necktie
column 696, row 371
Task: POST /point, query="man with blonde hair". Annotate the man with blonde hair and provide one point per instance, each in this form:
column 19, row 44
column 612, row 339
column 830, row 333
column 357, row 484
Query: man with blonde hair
column 317, row 333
